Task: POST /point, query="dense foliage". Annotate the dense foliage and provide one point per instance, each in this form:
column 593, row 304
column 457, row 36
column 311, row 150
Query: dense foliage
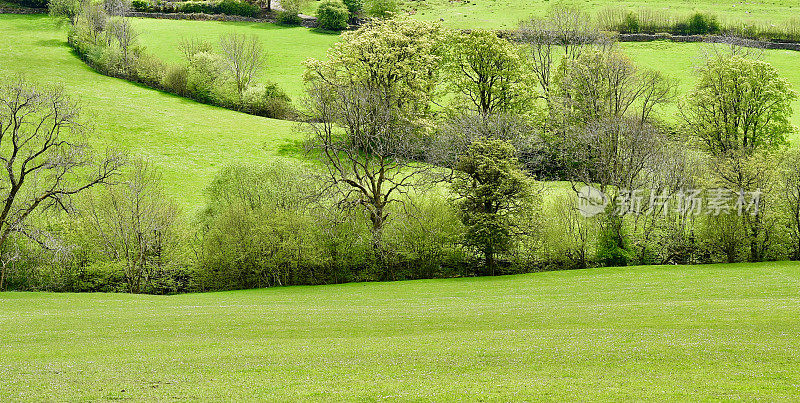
column 229, row 7
column 432, row 145
column 332, row 15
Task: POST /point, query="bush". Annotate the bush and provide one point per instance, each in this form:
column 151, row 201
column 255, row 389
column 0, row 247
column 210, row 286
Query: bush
column 354, row 7
column 382, row 8
column 233, row 7
column 30, row 3
column 701, row 24
column 631, row 24
column 291, row 9
column 332, row 15
column 289, row 18
column 268, row 101
column 150, row 70
column 102, row 276
column 609, row 252
column 140, row 5
column 229, row 7
column 171, row 280
column 176, row 80
column 205, row 76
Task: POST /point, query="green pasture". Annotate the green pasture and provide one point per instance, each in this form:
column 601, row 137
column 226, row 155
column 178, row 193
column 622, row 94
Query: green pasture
column 507, row 13
column 689, row 333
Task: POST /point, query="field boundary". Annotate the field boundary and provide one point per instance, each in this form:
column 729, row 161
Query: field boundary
column 722, row 39
column 4, row 9
column 750, row 43
column 306, row 21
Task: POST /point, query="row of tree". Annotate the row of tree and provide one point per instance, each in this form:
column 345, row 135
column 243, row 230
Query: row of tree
column 226, row 74
column 433, row 148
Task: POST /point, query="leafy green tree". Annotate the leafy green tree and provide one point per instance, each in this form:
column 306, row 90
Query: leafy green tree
column 354, row 7
column 399, row 58
column 370, row 103
column 69, row 9
column 602, row 84
column 491, row 187
column 738, row 115
column 488, row 71
column 332, row 15
column 738, row 105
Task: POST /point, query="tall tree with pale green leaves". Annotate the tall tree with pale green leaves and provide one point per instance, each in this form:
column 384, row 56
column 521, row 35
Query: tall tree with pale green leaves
column 488, row 72
column 370, row 103
column 738, row 115
column 738, row 105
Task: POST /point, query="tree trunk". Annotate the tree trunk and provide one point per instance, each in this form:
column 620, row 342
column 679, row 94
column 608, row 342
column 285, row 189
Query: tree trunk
column 490, row 260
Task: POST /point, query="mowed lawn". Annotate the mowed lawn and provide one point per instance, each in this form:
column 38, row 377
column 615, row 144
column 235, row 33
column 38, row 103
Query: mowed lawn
column 507, row 13
column 188, row 141
column 667, row 333
column 285, row 48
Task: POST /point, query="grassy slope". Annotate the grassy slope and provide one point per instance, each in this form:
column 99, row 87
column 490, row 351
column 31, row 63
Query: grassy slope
column 677, row 60
column 191, row 141
column 286, row 48
column 506, row 13
column 187, row 140
column 671, row 333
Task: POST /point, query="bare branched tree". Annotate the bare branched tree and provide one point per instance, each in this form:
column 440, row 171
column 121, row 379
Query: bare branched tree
column 117, row 8
column 132, row 222
column 126, row 36
column 43, row 153
column 192, row 46
column 96, row 19
column 567, row 28
column 368, row 148
column 244, row 58
column 616, row 155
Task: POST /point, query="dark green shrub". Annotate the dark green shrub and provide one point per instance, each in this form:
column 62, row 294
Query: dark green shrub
column 171, row 280
column 102, row 277
column 30, row 3
column 289, row 18
column 233, row 7
column 701, row 24
column 268, row 101
column 141, row 5
column 631, row 24
column 680, row 28
column 332, row 15
column 609, row 251
column 354, row 7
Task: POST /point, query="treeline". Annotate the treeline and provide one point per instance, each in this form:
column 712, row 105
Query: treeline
column 439, row 153
column 228, row 7
column 227, row 75
column 646, row 21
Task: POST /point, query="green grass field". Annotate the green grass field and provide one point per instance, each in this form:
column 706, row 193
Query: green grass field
column 286, row 48
column 719, row 332
column 507, row 13
column 188, row 141
column 678, row 60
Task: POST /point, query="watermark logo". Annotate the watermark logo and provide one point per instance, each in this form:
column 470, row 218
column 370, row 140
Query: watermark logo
column 685, row 202
column 591, row 201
